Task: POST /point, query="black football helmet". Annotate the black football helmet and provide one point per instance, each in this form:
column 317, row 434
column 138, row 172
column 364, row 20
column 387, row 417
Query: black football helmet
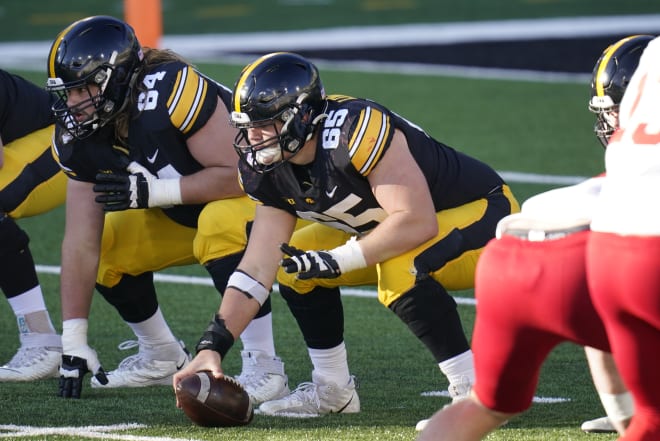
column 611, row 76
column 99, row 50
column 283, row 87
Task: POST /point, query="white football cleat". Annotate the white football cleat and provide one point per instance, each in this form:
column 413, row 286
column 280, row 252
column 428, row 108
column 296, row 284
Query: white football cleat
column 314, row 399
column 599, row 425
column 32, row 363
column 460, row 390
column 263, row 377
column 153, row 365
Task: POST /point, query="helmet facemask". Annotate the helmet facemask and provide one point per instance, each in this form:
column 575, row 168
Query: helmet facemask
column 98, row 108
column 607, row 117
column 293, row 127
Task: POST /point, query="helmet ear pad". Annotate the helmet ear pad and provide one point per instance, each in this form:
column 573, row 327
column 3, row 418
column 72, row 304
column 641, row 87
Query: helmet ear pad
column 297, row 129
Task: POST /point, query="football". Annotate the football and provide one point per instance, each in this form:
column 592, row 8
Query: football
column 212, row 402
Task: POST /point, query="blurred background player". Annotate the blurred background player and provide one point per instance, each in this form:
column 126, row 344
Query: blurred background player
column 611, row 75
column 31, row 183
column 146, row 142
column 390, row 206
column 623, row 253
column 523, row 315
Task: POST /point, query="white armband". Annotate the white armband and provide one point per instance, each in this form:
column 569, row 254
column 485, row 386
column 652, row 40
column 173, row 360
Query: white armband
column 349, row 256
column 619, row 407
column 165, row 192
column 249, row 286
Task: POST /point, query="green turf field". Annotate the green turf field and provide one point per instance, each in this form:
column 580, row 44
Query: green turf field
column 528, row 127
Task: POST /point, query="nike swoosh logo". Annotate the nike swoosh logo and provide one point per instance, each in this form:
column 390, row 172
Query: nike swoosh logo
column 152, row 159
column 331, row 193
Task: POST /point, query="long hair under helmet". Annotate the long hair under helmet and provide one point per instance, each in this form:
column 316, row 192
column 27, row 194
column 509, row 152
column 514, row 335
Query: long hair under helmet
column 101, row 51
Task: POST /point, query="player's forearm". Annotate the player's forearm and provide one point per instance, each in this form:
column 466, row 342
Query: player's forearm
column 77, row 280
column 237, row 310
column 210, row 184
column 397, row 234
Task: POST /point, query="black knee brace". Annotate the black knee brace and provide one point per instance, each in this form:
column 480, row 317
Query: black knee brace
column 320, row 315
column 221, row 269
column 134, row 297
column 431, row 314
column 18, row 274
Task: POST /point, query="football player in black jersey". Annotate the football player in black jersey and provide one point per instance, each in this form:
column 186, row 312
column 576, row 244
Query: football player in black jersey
column 390, row 206
column 145, row 141
column 31, row 183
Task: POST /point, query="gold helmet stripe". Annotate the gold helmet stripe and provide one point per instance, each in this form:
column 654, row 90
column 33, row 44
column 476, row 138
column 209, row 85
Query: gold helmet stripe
column 245, row 74
column 55, row 47
column 607, row 56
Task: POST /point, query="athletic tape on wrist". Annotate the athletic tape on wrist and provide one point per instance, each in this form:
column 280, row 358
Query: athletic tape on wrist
column 165, row 193
column 216, row 337
column 74, row 334
column 349, row 256
column 249, row 286
column 619, row 407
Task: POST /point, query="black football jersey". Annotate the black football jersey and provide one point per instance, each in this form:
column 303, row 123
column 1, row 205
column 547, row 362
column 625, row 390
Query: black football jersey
column 24, row 107
column 176, row 103
column 334, row 189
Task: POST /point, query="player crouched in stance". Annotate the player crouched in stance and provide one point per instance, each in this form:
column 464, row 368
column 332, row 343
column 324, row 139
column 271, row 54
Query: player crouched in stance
column 389, row 205
column 623, row 252
column 31, row 183
column 611, row 75
column 532, row 291
column 145, row 141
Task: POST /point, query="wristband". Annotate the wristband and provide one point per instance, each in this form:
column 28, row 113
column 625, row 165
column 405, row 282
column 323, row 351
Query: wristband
column 619, row 407
column 165, row 193
column 216, row 337
column 349, row 256
column 245, row 283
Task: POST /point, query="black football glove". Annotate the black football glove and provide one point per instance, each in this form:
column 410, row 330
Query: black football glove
column 139, row 189
column 120, row 192
column 309, row 264
column 72, row 373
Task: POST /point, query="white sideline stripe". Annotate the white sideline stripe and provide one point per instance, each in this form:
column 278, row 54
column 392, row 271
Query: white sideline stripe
column 94, row 432
column 206, row 281
column 534, row 178
column 541, row 400
column 216, row 48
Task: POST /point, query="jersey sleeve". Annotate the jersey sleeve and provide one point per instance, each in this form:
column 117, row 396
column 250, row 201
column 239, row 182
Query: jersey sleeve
column 370, row 134
column 192, row 100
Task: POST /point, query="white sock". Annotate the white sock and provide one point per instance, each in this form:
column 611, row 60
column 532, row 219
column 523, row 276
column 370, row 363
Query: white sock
column 31, row 313
column 30, row 301
column 458, row 368
column 153, row 331
column 331, row 364
column 258, row 336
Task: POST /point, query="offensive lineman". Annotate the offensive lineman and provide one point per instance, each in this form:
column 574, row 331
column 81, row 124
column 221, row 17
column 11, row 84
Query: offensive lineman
column 145, row 141
column 420, row 211
column 31, row 183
